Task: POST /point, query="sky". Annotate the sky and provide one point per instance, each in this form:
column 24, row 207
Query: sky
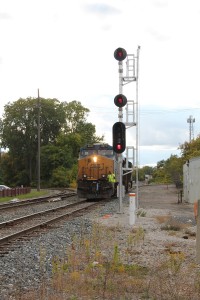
column 65, row 49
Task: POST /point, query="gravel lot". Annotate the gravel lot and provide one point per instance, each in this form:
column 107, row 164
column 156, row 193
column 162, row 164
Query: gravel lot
column 160, row 208
column 21, row 268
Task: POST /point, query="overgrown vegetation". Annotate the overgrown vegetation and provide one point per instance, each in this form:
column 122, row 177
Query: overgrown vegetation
column 96, row 266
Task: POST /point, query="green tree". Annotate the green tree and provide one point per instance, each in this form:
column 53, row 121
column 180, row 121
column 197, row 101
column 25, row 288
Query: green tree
column 75, row 114
column 169, row 171
column 174, row 169
column 54, row 156
column 59, row 177
column 63, row 130
column 87, row 132
column 8, row 170
column 159, row 175
column 146, row 170
column 192, row 149
column 19, row 130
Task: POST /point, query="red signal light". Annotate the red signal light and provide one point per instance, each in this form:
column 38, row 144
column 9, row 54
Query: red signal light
column 120, row 100
column 119, row 147
column 120, row 54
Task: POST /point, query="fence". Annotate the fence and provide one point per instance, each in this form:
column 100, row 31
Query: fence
column 14, row 191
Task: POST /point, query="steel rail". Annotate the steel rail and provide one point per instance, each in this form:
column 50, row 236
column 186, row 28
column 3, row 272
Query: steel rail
column 34, row 201
column 42, row 212
column 42, row 224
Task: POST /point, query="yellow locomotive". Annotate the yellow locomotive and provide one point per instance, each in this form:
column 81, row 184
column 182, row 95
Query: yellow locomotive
column 94, row 164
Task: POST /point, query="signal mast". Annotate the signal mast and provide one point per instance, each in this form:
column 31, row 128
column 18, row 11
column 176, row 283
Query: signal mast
column 119, row 128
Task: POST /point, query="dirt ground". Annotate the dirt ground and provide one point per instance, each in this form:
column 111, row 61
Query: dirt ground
column 163, row 197
column 154, row 200
column 168, row 226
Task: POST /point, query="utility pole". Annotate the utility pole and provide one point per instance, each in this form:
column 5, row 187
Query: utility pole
column 38, row 158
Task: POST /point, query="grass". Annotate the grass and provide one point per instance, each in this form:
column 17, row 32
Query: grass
column 171, row 227
column 33, row 194
column 93, row 268
column 163, row 219
column 170, row 224
column 141, row 213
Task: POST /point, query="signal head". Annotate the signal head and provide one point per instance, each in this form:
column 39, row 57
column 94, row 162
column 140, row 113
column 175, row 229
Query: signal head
column 120, row 54
column 120, row 100
column 119, row 137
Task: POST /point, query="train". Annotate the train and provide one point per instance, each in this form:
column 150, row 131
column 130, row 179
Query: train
column 95, row 162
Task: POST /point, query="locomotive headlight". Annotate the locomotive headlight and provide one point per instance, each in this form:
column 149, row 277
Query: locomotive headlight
column 95, row 159
column 84, row 176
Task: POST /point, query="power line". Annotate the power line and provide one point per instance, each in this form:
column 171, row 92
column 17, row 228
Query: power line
column 96, row 109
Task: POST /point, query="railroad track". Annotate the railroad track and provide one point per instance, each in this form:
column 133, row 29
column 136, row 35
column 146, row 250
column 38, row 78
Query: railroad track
column 56, row 197
column 19, row 228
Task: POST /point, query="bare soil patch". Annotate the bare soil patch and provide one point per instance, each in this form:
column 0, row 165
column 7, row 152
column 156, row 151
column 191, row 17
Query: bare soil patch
column 163, row 197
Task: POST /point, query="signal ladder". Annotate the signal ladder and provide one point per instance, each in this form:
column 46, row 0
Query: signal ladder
column 132, row 72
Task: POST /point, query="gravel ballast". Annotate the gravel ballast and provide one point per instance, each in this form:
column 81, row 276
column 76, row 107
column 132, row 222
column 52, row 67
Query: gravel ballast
column 21, row 268
column 30, row 262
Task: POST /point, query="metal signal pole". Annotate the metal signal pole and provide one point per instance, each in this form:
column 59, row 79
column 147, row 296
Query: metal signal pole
column 132, row 119
column 137, row 131
column 120, row 116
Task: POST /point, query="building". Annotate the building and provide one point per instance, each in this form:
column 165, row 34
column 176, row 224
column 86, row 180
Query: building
column 191, row 180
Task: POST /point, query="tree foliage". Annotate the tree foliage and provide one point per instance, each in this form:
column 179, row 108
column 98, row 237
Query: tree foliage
column 75, row 113
column 171, row 170
column 192, row 149
column 146, row 170
column 63, row 130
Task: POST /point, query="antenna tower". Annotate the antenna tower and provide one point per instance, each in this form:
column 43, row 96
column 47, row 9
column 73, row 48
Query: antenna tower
column 191, row 120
